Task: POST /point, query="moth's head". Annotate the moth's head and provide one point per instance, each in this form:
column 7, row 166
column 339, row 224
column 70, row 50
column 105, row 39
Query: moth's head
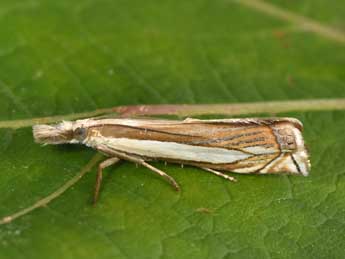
column 61, row 133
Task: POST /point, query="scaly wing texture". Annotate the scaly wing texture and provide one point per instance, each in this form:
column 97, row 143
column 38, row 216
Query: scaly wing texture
column 243, row 146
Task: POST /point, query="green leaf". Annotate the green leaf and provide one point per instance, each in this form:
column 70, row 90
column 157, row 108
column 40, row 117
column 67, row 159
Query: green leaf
column 61, row 57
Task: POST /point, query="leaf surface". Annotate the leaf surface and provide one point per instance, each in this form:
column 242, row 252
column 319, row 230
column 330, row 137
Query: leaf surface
column 66, row 57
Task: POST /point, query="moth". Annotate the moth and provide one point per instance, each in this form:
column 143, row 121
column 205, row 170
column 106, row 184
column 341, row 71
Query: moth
column 246, row 146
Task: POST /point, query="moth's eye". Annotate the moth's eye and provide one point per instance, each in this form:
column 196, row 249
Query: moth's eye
column 80, row 133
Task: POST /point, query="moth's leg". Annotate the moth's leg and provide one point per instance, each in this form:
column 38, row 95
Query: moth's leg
column 161, row 173
column 139, row 161
column 101, row 166
column 228, row 177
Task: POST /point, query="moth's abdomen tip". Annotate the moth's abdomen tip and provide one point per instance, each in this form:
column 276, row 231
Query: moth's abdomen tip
column 308, row 167
column 302, row 162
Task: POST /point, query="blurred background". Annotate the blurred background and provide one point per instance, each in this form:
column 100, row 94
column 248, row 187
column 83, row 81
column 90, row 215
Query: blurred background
column 65, row 57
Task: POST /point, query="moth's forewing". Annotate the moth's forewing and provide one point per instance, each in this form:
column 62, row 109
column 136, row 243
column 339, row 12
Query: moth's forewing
column 238, row 145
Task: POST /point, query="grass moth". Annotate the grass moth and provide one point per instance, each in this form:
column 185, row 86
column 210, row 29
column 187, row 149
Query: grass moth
column 246, row 146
